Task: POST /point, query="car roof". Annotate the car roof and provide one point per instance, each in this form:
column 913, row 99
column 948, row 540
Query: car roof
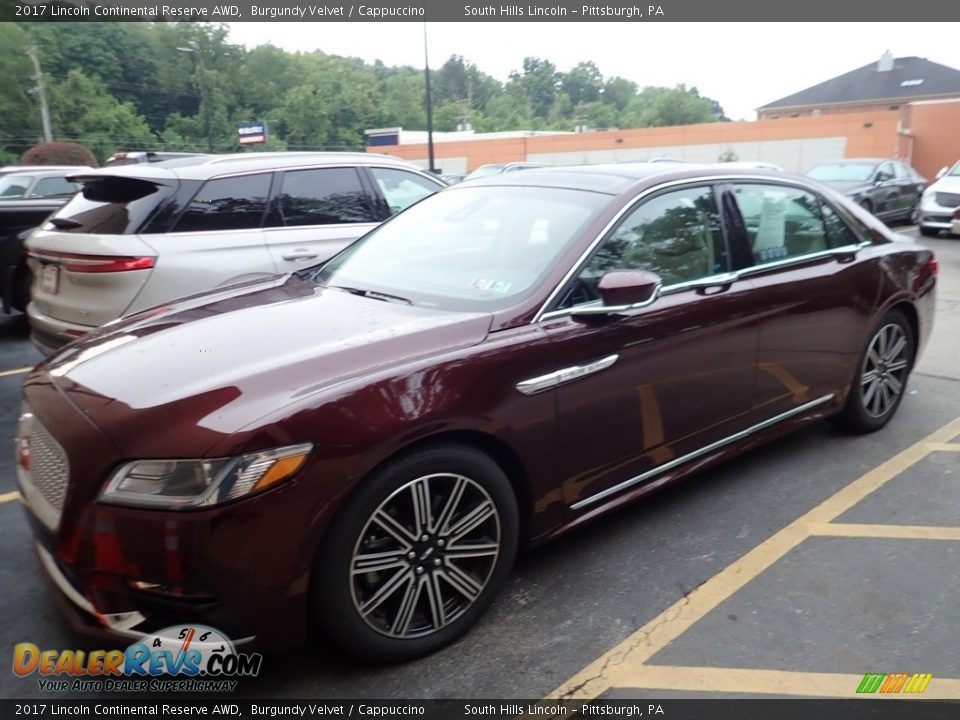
column 41, row 169
column 615, row 178
column 859, row 161
column 203, row 167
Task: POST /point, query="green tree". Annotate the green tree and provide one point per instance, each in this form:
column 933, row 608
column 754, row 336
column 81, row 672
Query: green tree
column 100, row 122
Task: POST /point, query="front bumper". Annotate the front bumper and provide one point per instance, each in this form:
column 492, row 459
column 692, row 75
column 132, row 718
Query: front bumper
column 934, row 216
column 242, row 568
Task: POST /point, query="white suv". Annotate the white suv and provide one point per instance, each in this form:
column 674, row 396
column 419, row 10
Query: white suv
column 939, row 202
column 142, row 235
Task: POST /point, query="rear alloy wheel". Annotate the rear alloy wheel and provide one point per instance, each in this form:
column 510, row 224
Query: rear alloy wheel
column 882, row 376
column 418, row 554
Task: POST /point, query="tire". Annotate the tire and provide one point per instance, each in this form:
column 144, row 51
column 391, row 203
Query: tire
column 929, row 232
column 882, row 374
column 422, row 591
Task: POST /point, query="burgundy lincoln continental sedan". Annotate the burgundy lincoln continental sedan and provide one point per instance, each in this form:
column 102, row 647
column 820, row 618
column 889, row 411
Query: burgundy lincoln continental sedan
column 362, row 446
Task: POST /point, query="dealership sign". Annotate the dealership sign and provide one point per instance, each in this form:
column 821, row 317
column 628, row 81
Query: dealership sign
column 252, row 133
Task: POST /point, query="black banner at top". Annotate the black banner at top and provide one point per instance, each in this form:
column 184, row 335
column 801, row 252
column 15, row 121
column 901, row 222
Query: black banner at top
column 853, row 11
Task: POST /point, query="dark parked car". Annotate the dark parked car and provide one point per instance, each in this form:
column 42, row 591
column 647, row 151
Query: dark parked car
column 363, row 445
column 28, row 195
column 889, row 189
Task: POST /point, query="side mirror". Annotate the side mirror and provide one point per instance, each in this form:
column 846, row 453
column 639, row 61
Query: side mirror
column 942, row 171
column 622, row 290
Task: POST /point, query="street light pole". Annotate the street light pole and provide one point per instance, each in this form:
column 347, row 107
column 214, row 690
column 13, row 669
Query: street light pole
column 426, row 70
column 194, row 49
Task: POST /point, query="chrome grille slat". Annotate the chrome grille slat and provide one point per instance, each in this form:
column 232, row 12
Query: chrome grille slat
column 948, row 199
column 48, row 466
column 45, row 479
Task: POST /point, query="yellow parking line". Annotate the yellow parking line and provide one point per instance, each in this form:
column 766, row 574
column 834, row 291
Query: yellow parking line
column 15, row 371
column 644, row 643
column 9, row 497
column 766, row 682
column 945, row 447
column 901, row 532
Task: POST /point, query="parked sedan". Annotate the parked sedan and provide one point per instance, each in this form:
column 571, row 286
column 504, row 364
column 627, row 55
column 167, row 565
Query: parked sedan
column 362, row 446
column 498, row 168
column 889, row 189
column 939, row 202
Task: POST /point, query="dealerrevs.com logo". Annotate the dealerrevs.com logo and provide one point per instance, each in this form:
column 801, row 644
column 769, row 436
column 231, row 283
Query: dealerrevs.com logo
column 183, row 658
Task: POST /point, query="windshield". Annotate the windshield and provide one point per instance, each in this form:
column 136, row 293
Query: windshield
column 485, row 171
column 843, row 172
column 954, row 171
column 14, row 186
column 467, row 249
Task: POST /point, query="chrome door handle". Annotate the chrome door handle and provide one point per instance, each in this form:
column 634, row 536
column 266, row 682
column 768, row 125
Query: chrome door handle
column 713, row 281
column 300, row 255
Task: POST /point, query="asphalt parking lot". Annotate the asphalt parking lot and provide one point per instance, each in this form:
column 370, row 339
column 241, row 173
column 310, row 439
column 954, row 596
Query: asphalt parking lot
column 793, row 570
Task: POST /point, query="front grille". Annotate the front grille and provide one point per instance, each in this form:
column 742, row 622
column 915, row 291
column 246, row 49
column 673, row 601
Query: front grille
column 947, row 199
column 49, row 470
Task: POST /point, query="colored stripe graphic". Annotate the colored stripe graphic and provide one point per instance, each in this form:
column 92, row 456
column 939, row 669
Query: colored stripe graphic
column 891, row 683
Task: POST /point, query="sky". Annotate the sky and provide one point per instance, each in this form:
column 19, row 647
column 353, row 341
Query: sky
column 742, row 65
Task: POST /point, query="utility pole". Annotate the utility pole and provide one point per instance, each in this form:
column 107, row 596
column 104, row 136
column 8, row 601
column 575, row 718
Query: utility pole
column 201, row 83
column 41, row 91
column 426, row 70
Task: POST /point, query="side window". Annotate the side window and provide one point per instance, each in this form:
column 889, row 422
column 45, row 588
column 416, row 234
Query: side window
column 676, row 235
column 51, row 186
column 327, row 196
column 884, row 173
column 235, row 203
column 782, row 222
column 839, row 233
column 400, row 188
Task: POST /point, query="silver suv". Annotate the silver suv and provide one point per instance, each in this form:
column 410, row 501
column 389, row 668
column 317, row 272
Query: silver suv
column 142, row 235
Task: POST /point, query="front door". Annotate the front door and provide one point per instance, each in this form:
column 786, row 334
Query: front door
column 657, row 383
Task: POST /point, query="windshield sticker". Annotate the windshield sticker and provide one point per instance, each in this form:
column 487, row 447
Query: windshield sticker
column 496, row 286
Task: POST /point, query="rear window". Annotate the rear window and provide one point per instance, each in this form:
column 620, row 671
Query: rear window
column 109, row 206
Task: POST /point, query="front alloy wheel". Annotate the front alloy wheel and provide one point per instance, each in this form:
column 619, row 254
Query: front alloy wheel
column 417, row 554
column 425, row 555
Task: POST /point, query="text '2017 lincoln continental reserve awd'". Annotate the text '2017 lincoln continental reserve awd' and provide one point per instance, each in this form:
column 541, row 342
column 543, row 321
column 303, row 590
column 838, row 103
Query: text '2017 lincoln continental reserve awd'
column 363, row 445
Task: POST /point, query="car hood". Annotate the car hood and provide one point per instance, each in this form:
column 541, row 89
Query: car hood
column 215, row 362
column 949, row 184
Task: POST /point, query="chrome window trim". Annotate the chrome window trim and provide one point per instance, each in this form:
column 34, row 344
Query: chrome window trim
column 542, row 383
column 703, row 180
column 725, row 278
column 705, row 450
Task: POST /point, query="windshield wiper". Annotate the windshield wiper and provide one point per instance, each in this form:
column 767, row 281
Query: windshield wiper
column 375, row 294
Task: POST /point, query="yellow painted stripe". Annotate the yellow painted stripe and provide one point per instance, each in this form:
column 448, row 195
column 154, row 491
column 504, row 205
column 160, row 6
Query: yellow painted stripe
column 15, row 371
column 644, row 643
column 766, row 682
column 945, row 447
column 903, row 532
column 9, row 497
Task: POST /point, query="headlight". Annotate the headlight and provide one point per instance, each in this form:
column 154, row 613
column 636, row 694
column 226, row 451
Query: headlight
column 184, row 484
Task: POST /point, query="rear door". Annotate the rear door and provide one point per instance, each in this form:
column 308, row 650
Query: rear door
column 314, row 214
column 813, row 291
column 216, row 241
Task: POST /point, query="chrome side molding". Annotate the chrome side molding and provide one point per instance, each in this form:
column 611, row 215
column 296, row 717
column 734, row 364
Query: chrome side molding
column 706, row 450
column 558, row 377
